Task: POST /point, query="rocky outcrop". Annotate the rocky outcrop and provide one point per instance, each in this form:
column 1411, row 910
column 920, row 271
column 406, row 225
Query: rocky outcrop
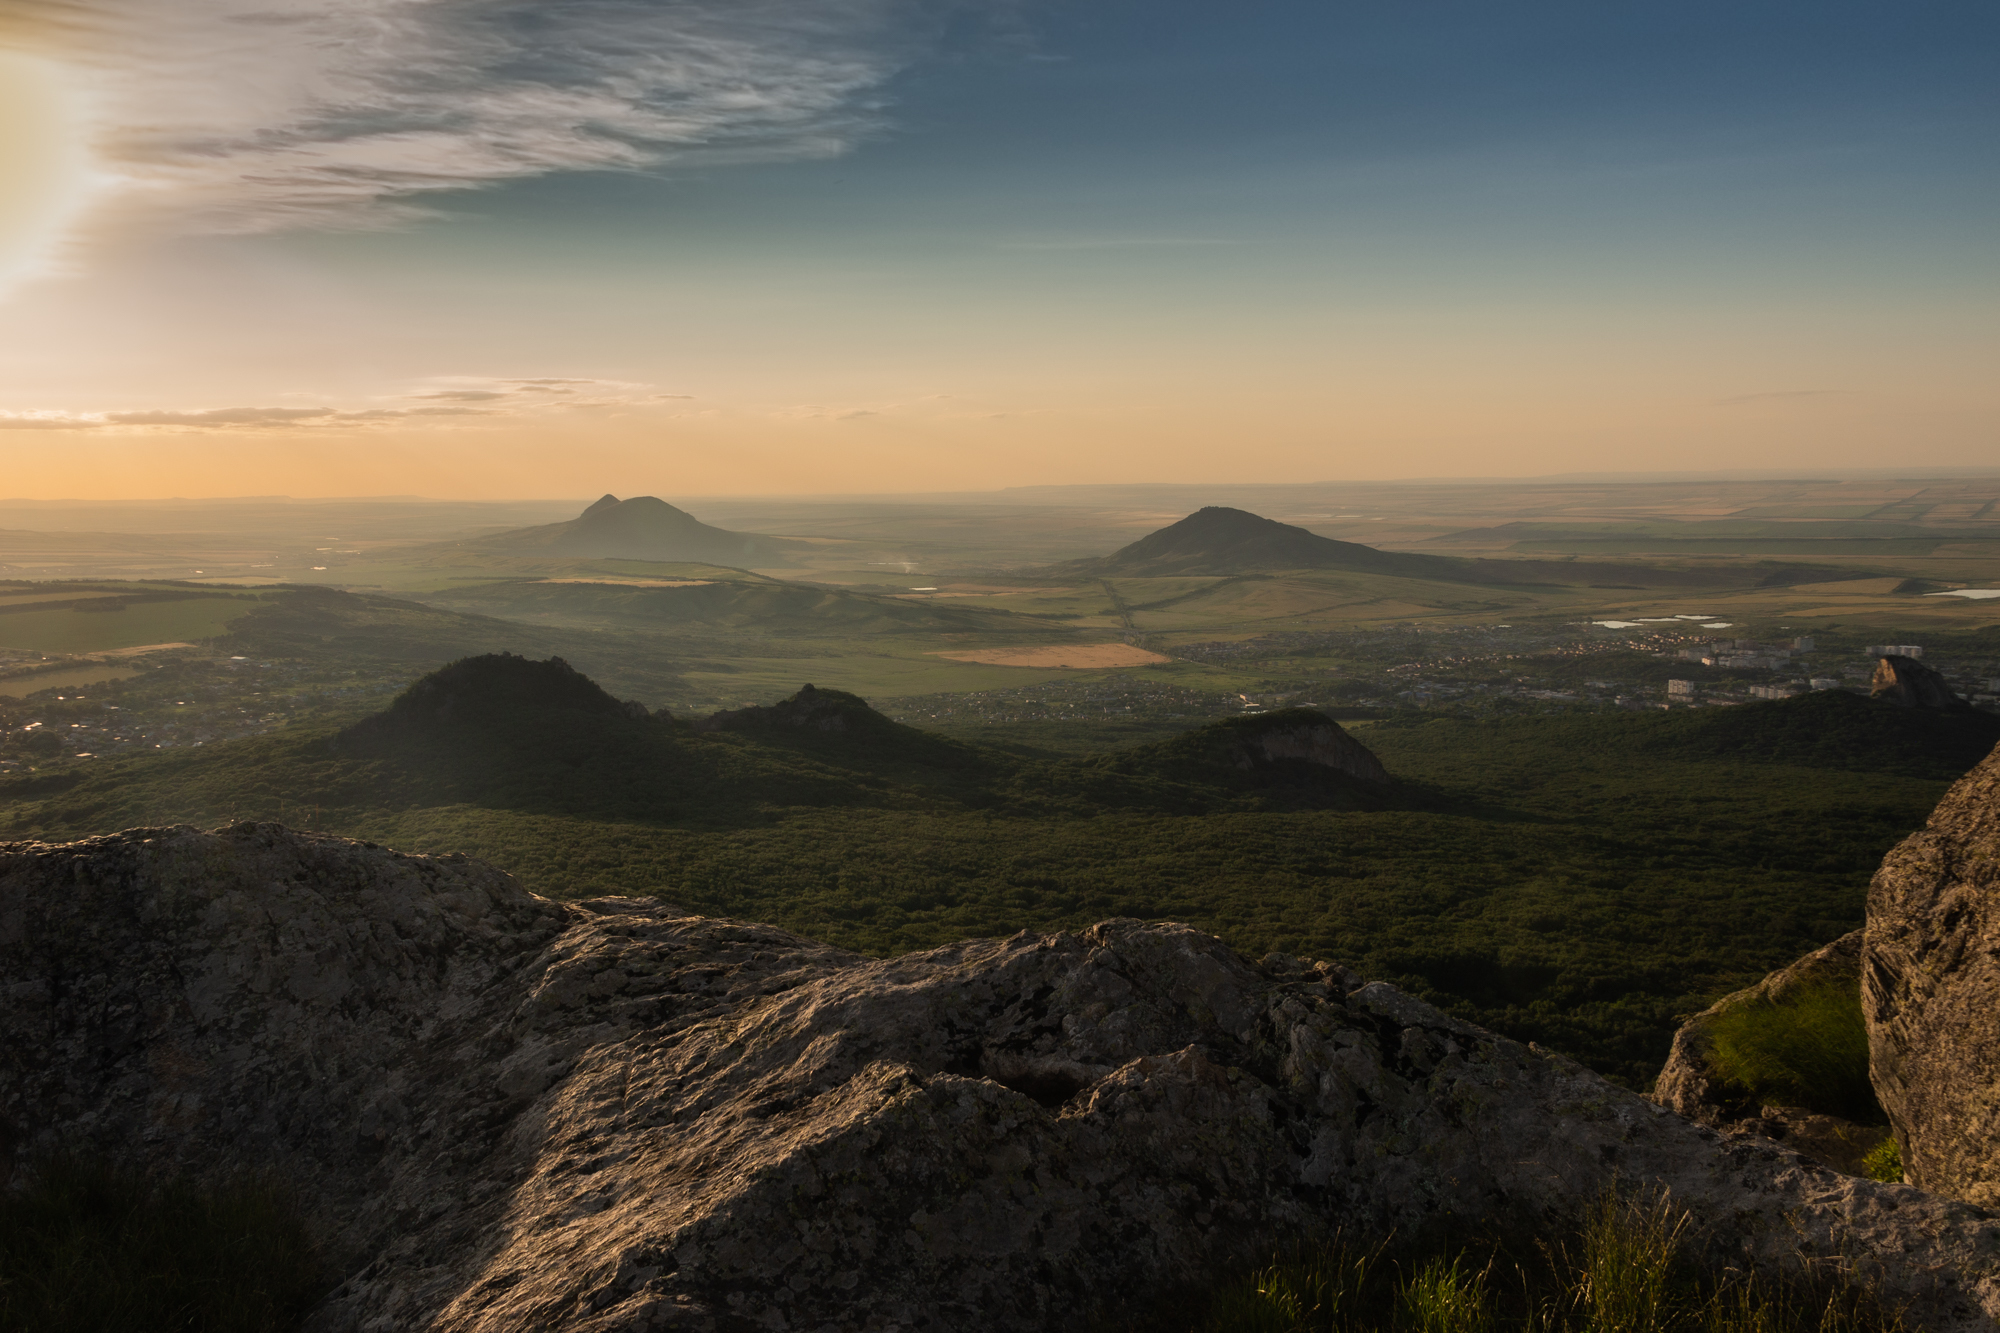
column 1314, row 739
column 1931, row 991
column 1686, row 1083
column 809, row 710
column 511, row 1114
column 1906, row 681
column 1689, row 1085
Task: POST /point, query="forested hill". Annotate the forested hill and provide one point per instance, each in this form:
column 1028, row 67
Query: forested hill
column 1577, row 881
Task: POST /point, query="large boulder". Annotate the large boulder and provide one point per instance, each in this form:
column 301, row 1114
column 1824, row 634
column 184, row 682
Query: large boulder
column 507, row 1113
column 1931, row 991
column 1691, row 1085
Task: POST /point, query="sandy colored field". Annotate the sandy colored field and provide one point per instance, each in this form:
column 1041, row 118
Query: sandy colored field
column 636, row 583
column 1087, row 656
column 141, row 650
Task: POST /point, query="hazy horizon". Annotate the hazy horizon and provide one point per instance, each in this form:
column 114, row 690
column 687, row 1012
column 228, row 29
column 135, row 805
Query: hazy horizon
column 586, row 497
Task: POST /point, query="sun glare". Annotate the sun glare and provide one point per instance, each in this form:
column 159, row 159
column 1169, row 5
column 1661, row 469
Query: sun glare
column 43, row 169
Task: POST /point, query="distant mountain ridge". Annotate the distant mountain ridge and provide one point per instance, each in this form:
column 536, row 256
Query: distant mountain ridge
column 1217, row 540
column 641, row 528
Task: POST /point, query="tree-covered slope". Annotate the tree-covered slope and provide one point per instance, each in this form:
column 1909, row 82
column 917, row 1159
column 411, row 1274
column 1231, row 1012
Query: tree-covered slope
column 1577, row 881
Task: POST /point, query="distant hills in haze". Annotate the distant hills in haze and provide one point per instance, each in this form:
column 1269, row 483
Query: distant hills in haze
column 1217, row 541
column 641, row 528
column 1220, row 541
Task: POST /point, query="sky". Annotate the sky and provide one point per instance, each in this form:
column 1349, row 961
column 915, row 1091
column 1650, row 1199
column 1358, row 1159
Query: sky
column 506, row 248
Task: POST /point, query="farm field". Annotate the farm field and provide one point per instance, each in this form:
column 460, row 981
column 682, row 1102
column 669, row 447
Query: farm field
column 92, row 619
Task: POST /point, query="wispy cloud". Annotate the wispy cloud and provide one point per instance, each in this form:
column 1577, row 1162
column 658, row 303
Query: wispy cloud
column 221, row 418
column 255, row 115
column 1116, row 243
column 494, row 397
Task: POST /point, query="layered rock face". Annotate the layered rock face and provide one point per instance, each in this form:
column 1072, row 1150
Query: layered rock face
column 1906, row 681
column 511, row 1114
column 1930, row 986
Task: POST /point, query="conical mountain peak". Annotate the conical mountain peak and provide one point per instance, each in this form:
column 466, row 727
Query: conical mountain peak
column 643, row 527
column 1218, row 540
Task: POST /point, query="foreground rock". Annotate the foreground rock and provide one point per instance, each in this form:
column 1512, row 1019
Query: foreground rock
column 1931, row 991
column 511, row 1114
column 1689, row 1085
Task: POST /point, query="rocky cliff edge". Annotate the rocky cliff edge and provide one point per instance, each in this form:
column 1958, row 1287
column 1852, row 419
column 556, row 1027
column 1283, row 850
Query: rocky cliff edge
column 508, row 1113
column 1930, row 986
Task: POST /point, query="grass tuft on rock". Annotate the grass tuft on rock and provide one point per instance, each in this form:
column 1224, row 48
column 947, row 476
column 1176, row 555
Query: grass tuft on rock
column 1807, row 1048
column 1884, row 1161
column 90, row 1248
column 1631, row 1265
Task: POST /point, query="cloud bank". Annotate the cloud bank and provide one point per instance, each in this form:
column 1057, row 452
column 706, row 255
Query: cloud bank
column 257, row 115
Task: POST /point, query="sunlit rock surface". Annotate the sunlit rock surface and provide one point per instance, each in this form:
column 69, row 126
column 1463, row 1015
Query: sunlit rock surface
column 1931, row 990
column 506, row 1113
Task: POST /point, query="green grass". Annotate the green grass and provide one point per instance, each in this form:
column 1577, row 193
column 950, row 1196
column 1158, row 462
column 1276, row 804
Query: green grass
column 89, row 1248
column 123, row 625
column 1885, row 1161
column 1630, row 1265
column 1809, row 1049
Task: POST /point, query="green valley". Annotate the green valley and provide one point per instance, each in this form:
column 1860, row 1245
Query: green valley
column 1576, row 881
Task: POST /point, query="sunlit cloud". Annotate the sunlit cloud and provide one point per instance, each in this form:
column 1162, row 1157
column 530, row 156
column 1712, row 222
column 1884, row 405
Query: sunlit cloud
column 494, row 397
column 236, row 116
column 221, row 418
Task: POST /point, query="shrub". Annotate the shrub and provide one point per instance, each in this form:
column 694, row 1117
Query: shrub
column 88, row 1248
column 1808, row 1049
column 1884, row 1161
